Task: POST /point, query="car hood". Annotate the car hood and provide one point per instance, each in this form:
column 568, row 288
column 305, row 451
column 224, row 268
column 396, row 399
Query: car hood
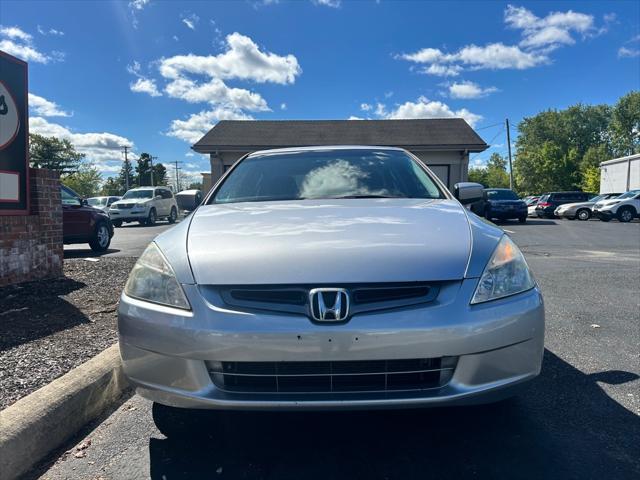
column 329, row 242
column 131, row 201
column 611, row 201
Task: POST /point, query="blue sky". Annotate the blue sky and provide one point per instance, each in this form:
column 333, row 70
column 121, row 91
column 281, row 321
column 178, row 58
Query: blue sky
column 155, row 75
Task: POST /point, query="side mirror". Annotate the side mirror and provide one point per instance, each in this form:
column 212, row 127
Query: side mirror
column 84, row 202
column 158, row 197
column 468, row 192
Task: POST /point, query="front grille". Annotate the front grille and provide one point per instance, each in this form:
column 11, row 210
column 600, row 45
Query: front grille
column 294, row 299
column 123, row 206
column 332, row 377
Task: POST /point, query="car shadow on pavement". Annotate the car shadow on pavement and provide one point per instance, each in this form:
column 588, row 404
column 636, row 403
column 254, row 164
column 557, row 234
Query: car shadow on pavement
column 563, row 426
column 36, row 309
column 87, row 252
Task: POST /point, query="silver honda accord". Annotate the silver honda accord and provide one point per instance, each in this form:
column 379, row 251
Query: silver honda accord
column 331, row 278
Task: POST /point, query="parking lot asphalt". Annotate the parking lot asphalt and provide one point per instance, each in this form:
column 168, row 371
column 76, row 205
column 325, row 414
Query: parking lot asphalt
column 579, row 419
column 130, row 240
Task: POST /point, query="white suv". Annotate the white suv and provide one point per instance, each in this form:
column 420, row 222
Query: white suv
column 145, row 205
column 625, row 207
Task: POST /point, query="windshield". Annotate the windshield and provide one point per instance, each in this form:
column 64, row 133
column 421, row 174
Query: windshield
column 629, row 194
column 327, row 174
column 501, row 195
column 97, row 201
column 138, row 194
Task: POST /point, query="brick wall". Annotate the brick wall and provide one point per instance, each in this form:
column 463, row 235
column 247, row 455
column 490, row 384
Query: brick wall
column 31, row 245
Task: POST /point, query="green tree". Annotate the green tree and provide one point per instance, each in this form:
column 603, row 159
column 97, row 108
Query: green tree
column 53, row 153
column 126, row 171
column 111, row 187
column 494, row 175
column 85, row 181
column 159, row 174
column 625, row 125
column 143, row 170
column 198, row 185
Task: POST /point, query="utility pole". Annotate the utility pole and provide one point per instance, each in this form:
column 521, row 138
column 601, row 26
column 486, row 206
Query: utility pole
column 125, row 149
column 509, row 147
column 151, row 159
column 177, row 175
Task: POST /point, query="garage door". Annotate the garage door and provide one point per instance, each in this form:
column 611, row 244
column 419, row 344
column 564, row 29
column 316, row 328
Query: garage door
column 442, row 171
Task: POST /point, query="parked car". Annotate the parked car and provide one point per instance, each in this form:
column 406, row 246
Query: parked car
column 548, row 202
column 531, row 202
column 82, row 223
column 329, row 278
column 145, row 205
column 188, row 200
column 581, row 210
column 102, row 203
column 500, row 203
column 625, row 207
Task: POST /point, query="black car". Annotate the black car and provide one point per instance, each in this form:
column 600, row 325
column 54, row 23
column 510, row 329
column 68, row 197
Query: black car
column 501, row 203
column 548, row 202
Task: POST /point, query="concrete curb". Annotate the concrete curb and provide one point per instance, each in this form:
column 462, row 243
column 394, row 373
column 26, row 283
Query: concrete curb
column 39, row 423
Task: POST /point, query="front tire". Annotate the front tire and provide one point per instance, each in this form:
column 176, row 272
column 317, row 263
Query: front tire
column 117, row 223
column 626, row 214
column 152, row 218
column 173, row 216
column 487, row 214
column 101, row 238
column 583, row 214
column 522, row 219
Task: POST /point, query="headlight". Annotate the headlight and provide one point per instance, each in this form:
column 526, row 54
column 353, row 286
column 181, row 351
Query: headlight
column 153, row 279
column 507, row 273
column 139, row 205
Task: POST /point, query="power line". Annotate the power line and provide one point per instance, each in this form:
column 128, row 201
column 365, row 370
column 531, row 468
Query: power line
column 489, row 126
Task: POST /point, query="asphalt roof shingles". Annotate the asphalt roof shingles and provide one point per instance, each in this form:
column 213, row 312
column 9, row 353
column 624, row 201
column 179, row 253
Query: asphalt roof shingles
column 264, row 134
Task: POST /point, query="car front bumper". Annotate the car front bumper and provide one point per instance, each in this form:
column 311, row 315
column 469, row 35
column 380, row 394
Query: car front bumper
column 129, row 214
column 507, row 213
column 498, row 346
column 606, row 214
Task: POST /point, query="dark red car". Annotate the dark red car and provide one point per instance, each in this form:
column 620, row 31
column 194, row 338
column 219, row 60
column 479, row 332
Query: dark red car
column 84, row 224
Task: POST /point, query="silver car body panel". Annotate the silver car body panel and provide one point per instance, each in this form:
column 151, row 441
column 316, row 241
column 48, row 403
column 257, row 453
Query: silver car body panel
column 498, row 344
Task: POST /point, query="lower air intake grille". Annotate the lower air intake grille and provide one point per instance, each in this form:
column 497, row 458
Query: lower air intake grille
column 330, row 377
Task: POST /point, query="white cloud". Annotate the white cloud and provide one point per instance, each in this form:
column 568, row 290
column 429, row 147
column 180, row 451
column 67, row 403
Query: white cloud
column 425, row 108
column 203, row 79
column 551, row 31
column 468, row 90
column 195, row 126
column 19, row 43
column 15, row 33
column 494, row 56
column 42, row 106
column 442, row 70
column 328, row 3
column 142, row 83
column 625, row 52
column 138, row 4
column 51, row 31
column 99, row 147
column 145, row 85
column 353, row 117
column 190, row 20
column 540, row 36
column 243, row 60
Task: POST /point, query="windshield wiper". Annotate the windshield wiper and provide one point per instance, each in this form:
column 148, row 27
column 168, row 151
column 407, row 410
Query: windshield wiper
column 367, row 196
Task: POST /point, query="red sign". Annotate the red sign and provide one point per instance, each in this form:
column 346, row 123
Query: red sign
column 14, row 136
